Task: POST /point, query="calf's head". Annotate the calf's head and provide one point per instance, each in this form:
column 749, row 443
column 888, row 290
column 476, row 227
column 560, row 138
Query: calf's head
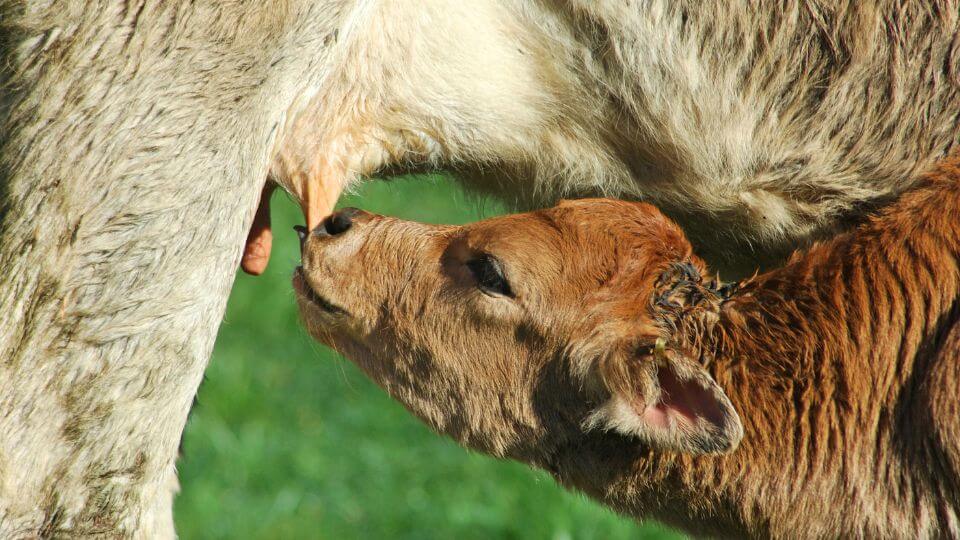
column 520, row 334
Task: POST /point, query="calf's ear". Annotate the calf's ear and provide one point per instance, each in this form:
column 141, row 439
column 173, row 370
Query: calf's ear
column 668, row 401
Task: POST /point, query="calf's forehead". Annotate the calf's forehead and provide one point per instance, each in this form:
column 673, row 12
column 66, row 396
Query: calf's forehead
column 571, row 224
column 560, row 243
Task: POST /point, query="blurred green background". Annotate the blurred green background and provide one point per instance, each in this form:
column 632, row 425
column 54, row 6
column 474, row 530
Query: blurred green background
column 289, row 440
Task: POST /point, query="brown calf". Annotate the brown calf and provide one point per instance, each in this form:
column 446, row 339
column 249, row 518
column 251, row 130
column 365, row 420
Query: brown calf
column 816, row 400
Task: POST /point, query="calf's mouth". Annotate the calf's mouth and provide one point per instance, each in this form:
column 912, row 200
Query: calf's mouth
column 306, row 292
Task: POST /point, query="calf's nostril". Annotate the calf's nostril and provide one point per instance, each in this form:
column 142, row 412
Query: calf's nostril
column 338, row 223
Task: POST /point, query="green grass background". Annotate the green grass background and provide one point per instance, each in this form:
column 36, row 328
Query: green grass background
column 289, row 440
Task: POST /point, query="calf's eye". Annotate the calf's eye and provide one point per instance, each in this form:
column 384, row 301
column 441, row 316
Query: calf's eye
column 489, row 275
